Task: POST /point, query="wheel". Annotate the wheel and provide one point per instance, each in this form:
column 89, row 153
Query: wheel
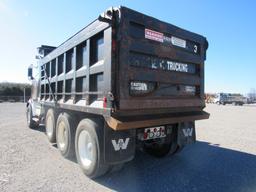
column 165, row 146
column 50, row 125
column 65, row 135
column 89, row 148
column 31, row 123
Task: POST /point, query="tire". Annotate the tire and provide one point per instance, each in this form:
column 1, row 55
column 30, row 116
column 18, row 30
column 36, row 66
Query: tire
column 179, row 149
column 65, row 135
column 50, row 125
column 31, row 123
column 167, row 145
column 116, row 168
column 89, row 148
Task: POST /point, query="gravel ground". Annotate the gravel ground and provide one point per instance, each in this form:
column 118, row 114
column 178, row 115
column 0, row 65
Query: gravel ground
column 223, row 159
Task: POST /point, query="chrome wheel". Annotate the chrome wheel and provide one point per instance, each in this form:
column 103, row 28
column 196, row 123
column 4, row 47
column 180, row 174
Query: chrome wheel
column 86, row 149
column 62, row 136
column 49, row 126
column 28, row 115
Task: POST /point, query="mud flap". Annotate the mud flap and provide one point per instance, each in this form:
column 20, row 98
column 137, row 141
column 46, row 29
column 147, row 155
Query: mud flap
column 186, row 133
column 119, row 146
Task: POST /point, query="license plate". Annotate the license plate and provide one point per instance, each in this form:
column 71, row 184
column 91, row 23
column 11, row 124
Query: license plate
column 154, row 132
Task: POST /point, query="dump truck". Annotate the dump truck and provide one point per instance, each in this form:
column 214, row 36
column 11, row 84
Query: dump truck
column 126, row 81
column 230, row 98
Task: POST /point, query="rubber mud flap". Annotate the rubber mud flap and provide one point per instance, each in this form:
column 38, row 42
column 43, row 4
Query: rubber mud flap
column 119, row 146
column 186, row 133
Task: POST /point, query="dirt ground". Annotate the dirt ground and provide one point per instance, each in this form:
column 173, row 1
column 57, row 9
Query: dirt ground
column 223, row 159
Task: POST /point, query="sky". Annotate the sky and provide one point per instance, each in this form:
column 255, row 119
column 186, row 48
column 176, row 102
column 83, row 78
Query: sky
column 229, row 26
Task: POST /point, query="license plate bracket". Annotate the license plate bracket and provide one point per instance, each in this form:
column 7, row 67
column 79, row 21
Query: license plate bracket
column 154, row 132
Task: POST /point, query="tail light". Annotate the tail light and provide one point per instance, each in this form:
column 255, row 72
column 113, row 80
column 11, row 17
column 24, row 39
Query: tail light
column 104, row 102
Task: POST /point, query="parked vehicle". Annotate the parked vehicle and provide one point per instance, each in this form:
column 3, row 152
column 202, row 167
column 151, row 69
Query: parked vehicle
column 229, row 98
column 126, row 80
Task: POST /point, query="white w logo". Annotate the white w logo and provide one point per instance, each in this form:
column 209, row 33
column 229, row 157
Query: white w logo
column 121, row 144
column 188, row 132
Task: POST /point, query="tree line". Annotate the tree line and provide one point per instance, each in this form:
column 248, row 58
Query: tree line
column 14, row 89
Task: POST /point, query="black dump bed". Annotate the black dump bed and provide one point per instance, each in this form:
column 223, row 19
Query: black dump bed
column 161, row 66
column 133, row 69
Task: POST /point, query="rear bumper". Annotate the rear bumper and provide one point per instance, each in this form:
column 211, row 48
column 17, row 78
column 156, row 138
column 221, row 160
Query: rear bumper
column 122, row 124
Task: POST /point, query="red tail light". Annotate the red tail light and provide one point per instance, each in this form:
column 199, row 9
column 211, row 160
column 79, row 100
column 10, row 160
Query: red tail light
column 104, row 102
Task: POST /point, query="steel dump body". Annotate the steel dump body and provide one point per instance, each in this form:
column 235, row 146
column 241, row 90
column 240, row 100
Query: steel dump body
column 102, row 69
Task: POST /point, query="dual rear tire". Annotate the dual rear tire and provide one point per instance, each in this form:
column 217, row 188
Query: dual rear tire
column 89, row 148
column 62, row 131
column 85, row 142
column 82, row 141
column 65, row 133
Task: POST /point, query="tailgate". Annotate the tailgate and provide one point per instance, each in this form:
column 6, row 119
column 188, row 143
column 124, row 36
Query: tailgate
column 160, row 65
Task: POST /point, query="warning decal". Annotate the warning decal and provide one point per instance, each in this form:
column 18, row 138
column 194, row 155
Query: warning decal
column 154, row 35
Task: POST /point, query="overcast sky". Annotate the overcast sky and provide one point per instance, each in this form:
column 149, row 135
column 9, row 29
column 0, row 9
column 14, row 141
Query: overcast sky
column 229, row 26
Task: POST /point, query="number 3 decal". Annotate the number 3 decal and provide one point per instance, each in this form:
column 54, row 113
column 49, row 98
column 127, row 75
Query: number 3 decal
column 195, row 48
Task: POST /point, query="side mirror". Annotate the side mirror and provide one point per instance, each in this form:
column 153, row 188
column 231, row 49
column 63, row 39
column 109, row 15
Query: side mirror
column 30, row 73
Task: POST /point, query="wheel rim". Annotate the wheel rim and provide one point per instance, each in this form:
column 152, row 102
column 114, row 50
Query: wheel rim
column 49, row 126
column 28, row 115
column 62, row 136
column 86, row 149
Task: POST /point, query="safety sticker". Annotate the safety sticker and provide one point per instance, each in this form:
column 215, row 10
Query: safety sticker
column 154, row 35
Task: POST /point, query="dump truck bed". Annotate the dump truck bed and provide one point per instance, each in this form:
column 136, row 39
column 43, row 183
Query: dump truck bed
column 128, row 66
